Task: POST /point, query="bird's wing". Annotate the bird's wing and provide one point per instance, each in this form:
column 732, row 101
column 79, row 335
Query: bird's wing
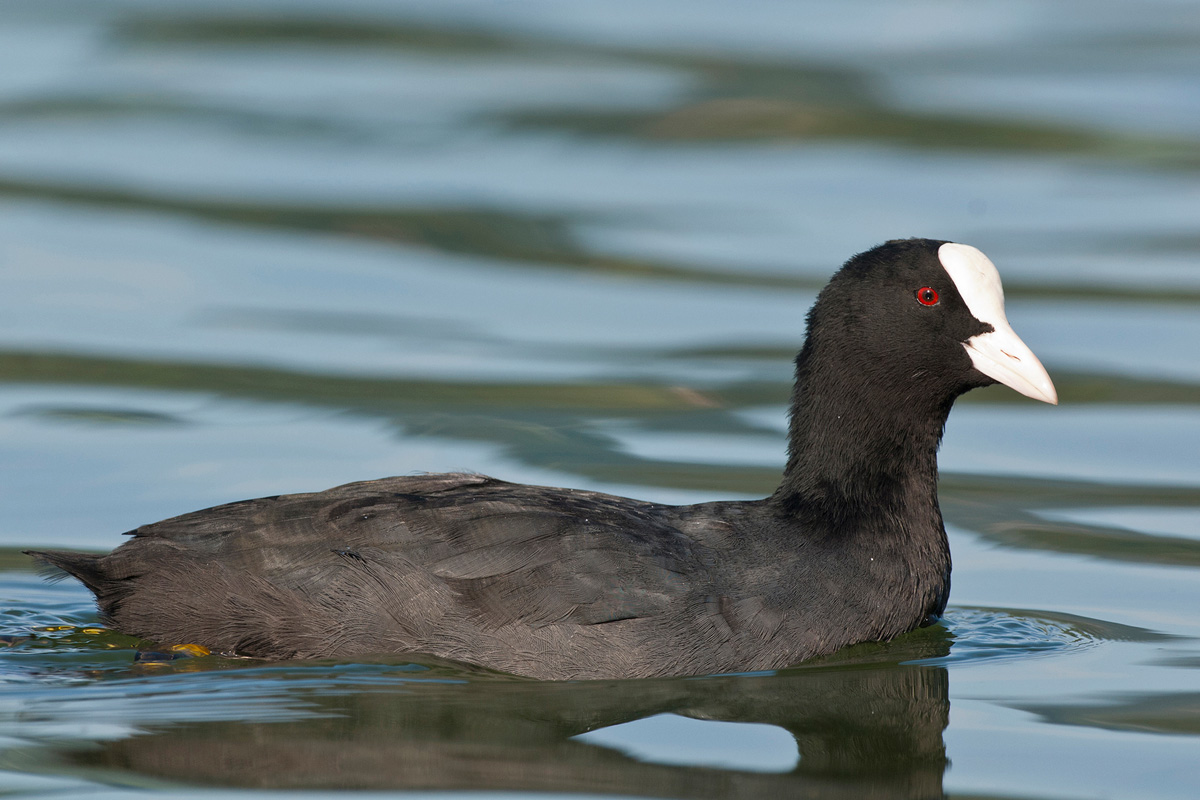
column 428, row 547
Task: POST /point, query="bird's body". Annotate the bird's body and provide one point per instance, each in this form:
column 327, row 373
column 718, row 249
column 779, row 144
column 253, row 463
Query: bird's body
column 560, row 583
column 526, row 579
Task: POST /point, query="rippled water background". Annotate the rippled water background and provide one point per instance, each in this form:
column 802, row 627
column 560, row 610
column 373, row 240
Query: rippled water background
column 258, row 247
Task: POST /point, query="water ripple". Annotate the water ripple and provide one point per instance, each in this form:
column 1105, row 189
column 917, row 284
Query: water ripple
column 985, row 634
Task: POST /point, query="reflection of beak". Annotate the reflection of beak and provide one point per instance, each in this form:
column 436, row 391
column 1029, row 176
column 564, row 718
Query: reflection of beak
column 1002, row 355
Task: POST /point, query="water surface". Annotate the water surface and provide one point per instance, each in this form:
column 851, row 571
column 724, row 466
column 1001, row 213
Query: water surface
column 262, row 247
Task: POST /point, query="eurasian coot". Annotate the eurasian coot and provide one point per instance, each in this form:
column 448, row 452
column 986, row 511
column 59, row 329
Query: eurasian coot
column 560, row 583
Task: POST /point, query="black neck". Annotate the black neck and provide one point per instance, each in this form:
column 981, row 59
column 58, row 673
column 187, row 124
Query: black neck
column 854, row 447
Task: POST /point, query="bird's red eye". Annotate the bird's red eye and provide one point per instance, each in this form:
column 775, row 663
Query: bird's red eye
column 927, row 296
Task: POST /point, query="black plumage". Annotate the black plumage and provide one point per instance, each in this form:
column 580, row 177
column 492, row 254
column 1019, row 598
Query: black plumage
column 559, row 583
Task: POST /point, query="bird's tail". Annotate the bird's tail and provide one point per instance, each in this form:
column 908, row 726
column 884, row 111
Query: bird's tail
column 85, row 567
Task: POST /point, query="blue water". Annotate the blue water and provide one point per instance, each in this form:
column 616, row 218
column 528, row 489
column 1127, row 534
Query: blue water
column 262, row 247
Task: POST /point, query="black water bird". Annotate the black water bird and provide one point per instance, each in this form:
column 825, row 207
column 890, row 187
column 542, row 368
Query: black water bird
column 563, row 584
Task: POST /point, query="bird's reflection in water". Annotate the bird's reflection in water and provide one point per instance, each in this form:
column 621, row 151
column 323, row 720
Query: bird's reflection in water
column 867, row 723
